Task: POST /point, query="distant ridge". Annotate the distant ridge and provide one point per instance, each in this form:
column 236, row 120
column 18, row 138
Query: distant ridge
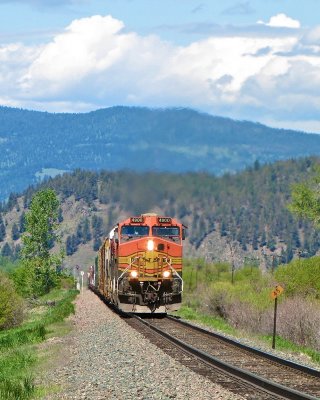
column 142, row 139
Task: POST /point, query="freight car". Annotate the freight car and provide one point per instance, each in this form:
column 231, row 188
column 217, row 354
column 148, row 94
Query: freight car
column 139, row 265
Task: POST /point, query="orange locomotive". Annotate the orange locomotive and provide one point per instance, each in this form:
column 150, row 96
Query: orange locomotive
column 139, row 266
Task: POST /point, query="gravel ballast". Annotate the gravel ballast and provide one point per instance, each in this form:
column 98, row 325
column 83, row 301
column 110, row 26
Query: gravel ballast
column 104, row 358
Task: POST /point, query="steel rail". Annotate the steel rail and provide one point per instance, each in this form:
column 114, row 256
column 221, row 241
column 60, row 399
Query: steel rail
column 299, row 367
column 246, row 376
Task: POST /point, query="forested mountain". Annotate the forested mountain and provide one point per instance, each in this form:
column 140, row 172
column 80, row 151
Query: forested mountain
column 33, row 144
column 246, row 212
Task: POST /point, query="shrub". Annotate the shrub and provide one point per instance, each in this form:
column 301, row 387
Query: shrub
column 301, row 276
column 299, row 321
column 219, row 299
column 11, row 304
column 34, row 277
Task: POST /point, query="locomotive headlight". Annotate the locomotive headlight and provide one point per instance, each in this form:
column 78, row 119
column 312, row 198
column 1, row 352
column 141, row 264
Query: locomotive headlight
column 134, row 274
column 150, row 245
column 166, row 274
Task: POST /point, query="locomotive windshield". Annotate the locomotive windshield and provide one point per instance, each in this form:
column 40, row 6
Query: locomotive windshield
column 132, row 231
column 168, row 232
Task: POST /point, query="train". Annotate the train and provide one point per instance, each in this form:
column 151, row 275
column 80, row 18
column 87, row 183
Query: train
column 139, row 265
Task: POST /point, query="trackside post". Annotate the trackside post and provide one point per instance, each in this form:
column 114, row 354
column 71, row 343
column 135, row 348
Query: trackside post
column 274, row 295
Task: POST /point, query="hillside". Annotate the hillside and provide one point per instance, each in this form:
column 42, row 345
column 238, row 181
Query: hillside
column 34, row 144
column 245, row 213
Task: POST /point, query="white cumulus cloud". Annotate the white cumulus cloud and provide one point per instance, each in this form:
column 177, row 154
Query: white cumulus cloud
column 282, row 21
column 96, row 62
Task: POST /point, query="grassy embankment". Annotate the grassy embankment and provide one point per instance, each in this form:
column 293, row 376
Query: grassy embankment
column 19, row 355
column 245, row 308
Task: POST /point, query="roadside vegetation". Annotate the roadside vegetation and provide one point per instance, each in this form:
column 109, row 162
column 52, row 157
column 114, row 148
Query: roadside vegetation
column 231, row 300
column 35, row 297
column 19, row 356
column 246, row 307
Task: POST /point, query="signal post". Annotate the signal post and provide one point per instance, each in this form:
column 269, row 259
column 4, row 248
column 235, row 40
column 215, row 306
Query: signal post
column 274, row 295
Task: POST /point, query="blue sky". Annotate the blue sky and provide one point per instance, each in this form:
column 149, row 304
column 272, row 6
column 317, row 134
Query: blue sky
column 257, row 60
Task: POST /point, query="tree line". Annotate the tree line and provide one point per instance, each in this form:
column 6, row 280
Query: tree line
column 249, row 208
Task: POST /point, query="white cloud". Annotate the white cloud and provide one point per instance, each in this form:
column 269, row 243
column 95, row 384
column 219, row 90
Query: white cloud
column 312, row 37
column 86, row 46
column 281, row 21
column 95, row 62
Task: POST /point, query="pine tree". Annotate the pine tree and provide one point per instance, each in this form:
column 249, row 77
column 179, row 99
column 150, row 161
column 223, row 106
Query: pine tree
column 6, row 251
column 2, row 230
column 22, row 222
column 15, row 234
column 79, row 233
column 71, row 246
column 86, row 231
column 60, row 215
column 96, row 244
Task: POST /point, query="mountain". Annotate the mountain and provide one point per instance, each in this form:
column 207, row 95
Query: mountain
column 34, row 144
column 246, row 212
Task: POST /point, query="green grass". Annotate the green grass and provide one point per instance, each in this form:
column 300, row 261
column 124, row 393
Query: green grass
column 28, row 333
column 213, row 322
column 286, row 345
column 15, row 389
column 15, row 379
column 18, row 355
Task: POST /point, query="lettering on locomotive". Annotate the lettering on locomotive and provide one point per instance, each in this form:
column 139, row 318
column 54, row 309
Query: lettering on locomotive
column 164, row 220
column 136, row 220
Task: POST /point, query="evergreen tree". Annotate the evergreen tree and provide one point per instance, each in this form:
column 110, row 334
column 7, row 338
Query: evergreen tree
column 22, row 222
column 79, row 233
column 86, row 231
column 2, row 230
column 97, row 223
column 15, row 234
column 60, row 215
column 6, row 251
column 12, row 201
column 71, row 245
column 96, row 243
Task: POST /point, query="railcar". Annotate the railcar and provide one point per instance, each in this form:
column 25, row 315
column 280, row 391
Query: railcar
column 139, row 265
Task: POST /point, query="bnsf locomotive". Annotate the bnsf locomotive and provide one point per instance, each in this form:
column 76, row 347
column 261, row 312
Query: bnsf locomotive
column 139, row 265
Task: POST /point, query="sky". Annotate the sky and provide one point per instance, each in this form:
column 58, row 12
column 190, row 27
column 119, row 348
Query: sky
column 256, row 60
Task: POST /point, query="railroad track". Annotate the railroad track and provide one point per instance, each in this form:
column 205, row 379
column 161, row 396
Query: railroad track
column 243, row 370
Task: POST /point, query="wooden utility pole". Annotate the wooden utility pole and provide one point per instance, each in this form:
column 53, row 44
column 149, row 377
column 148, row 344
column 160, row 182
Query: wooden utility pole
column 232, row 260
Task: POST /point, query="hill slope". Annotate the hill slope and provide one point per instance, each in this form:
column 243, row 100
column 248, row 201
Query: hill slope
column 33, row 144
column 247, row 211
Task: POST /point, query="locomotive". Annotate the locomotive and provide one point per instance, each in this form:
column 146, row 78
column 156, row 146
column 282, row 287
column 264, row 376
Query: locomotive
column 139, row 265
